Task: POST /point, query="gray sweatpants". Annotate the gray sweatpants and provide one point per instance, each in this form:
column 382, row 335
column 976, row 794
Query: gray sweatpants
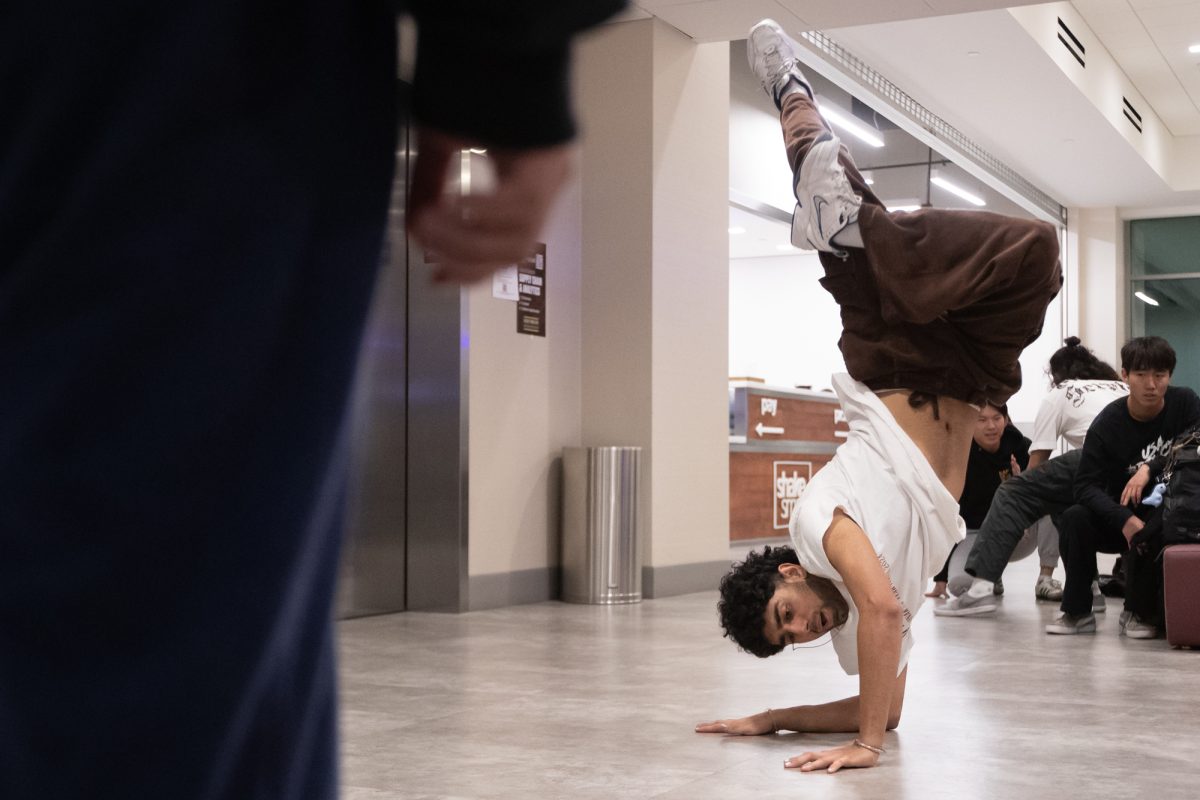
column 1019, row 502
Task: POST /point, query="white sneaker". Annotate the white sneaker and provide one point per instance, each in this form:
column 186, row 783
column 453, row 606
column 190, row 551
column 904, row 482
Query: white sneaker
column 772, row 57
column 1099, row 602
column 968, row 605
column 1068, row 624
column 1133, row 627
column 825, row 200
column 1049, row 589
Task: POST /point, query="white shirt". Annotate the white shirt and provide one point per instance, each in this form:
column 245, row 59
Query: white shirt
column 882, row 481
column 1068, row 411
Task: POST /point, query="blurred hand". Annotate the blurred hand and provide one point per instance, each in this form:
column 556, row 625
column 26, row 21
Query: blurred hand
column 474, row 235
column 1016, row 467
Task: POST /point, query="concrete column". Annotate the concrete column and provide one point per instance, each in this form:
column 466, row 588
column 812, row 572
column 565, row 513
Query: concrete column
column 1102, row 294
column 654, row 320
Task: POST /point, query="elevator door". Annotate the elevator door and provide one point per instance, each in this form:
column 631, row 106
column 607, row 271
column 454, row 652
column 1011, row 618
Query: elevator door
column 375, row 501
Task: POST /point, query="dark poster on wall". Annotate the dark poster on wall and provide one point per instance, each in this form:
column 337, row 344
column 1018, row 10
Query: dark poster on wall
column 531, row 293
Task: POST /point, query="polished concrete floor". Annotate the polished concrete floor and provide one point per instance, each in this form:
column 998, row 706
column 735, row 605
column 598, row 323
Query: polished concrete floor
column 564, row 701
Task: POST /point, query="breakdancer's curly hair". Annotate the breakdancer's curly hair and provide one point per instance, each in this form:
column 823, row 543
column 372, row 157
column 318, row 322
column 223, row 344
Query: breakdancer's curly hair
column 745, row 590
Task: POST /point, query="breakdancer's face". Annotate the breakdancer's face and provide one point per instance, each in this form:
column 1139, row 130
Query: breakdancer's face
column 803, row 608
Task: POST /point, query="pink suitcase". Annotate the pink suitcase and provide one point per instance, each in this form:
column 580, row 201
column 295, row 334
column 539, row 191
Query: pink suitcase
column 1181, row 594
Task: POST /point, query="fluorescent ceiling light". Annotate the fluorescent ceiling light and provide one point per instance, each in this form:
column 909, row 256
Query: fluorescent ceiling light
column 736, row 230
column 954, row 189
column 850, row 126
column 786, row 247
column 1194, row 48
column 1145, row 298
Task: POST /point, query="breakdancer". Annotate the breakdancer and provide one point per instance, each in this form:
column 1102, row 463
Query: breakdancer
column 936, row 307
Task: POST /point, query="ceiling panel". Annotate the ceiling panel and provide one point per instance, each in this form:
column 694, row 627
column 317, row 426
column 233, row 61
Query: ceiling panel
column 822, row 14
column 1149, row 39
column 1052, row 135
column 969, row 6
column 712, row 20
column 1166, row 16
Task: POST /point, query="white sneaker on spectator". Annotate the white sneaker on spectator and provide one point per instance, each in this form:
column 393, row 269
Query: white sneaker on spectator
column 1068, row 624
column 980, row 598
column 1133, row 627
column 967, row 605
column 1099, row 601
column 1048, row 589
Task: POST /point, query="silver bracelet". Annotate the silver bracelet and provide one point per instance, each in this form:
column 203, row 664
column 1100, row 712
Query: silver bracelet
column 774, row 727
column 876, row 750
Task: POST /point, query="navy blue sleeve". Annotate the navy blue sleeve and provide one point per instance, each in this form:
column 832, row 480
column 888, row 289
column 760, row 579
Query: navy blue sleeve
column 503, row 80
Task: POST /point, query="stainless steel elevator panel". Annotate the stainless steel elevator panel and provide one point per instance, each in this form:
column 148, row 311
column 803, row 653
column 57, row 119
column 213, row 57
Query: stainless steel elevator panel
column 375, row 508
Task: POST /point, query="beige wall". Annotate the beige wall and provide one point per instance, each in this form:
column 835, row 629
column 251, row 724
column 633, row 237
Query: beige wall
column 637, row 319
column 524, row 407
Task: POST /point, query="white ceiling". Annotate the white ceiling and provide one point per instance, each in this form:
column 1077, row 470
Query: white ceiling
column 979, row 69
column 1150, row 39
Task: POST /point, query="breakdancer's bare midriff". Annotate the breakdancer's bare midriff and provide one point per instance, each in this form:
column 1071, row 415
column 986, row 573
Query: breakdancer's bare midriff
column 942, row 432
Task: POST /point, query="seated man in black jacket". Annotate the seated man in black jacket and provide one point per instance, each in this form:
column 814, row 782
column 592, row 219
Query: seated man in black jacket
column 1113, row 472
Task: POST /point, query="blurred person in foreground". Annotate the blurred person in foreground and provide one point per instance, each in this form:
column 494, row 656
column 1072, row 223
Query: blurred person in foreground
column 193, row 197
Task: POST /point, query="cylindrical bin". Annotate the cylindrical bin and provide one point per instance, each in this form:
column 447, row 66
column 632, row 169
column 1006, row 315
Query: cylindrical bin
column 601, row 525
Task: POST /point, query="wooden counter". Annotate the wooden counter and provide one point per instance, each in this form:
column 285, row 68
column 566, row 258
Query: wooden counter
column 780, row 438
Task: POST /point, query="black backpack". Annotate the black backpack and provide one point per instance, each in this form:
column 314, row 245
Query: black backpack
column 1181, row 501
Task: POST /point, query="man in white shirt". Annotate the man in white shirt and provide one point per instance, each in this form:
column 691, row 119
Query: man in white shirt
column 1082, row 385
column 936, row 307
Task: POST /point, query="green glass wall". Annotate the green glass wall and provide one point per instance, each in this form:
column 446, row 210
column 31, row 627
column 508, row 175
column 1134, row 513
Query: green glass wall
column 1164, row 295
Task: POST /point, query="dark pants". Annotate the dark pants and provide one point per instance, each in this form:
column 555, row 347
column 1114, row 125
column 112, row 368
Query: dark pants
column 1019, row 502
column 938, row 301
column 1082, row 534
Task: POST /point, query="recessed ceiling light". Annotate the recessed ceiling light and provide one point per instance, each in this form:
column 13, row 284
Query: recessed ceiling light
column 736, row 230
column 902, row 207
column 1194, row 48
column 784, row 247
column 973, row 54
column 1145, row 298
column 957, row 190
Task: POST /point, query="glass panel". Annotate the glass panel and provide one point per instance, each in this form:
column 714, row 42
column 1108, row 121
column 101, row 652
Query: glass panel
column 1164, row 246
column 1175, row 318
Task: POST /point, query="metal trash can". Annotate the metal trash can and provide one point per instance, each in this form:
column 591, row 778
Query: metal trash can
column 601, row 525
